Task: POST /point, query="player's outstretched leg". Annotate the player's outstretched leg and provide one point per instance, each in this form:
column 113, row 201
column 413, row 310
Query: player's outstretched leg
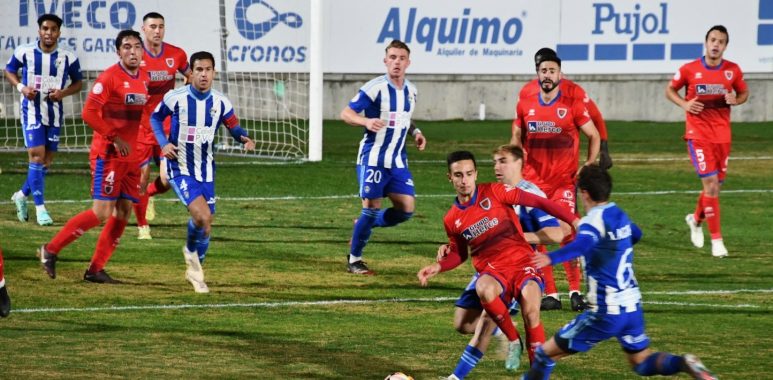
column 391, row 217
column 666, row 364
column 360, row 235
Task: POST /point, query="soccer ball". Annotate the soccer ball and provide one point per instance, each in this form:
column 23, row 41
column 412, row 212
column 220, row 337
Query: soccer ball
column 398, row 376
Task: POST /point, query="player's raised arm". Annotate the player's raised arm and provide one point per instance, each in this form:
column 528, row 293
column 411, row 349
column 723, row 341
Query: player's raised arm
column 515, row 196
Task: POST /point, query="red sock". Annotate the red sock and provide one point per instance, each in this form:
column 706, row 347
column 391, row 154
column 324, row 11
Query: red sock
column 498, row 311
column 711, row 209
column 699, row 215
column 547, row 274
column 107, row 242
column 72, row 230
column 157, row 187
column 141, row 209
column 535, row 337
column 573, row 274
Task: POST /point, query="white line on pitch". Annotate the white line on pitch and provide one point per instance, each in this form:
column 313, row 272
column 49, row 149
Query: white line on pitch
column 348, row 196
column 340, row 302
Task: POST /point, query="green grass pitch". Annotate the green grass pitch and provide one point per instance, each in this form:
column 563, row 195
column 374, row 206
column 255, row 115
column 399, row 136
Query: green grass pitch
column 283, row 307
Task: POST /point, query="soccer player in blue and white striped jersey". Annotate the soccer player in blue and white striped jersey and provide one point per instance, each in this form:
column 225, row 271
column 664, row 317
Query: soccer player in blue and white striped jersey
column 605, row 238
column 45, row 68
column 197, row 111
column 388, row 102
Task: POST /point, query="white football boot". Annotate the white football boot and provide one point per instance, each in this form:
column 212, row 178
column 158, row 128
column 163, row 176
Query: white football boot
column 193, row 272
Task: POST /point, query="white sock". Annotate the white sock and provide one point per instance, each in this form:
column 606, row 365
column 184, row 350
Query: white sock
column 40, row 208
column 354, row 259
column 554, row 295
column 717, row 241
column 2, row 283
column 19, row 195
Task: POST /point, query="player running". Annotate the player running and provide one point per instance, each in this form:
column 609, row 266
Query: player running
column 388, row 102
column 113, row 109
column 197, row 111
column 605, row 238
column 549, row 123
column 469, row 318
column 162, row 60
column 713, row 86
column 46, row 68
column 482, row 219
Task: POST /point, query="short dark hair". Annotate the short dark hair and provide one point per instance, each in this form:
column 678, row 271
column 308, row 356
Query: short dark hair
column 126, row 33
column 721, row 29
column 399, row 45
column 511, row 149
column 460, row 155
column 543, row 52
column 50, row 17
column 202, row 55
column 596, row 181
column 152, row 15
column 547, row 57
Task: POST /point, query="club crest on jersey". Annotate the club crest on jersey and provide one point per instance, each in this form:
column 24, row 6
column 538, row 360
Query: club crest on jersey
column 170, row 62
column 108, row 189
column 561, row 112
column 485, row 204
column 729, row 74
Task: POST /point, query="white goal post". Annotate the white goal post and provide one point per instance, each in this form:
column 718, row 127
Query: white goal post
column 281, row 111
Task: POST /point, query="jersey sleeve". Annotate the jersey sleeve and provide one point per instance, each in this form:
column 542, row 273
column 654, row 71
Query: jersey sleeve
column 360, row 101
column 680, row 78
column 457, row 250
column 739, row 84
column 580, row 113
column 541, row 219
column 15, row 62
column 596, row 117
column 74, row 70
column 162, row 111
column 231, row 121
column 183, row 59
column 100, row 91
column 512, row 195
column 592, row 225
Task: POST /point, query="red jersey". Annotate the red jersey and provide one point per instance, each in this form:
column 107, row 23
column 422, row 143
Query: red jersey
column 162, row 69
column 552, row 138
column 113, row 108
column 574, row 90
column 709, row 85
column 488, row 225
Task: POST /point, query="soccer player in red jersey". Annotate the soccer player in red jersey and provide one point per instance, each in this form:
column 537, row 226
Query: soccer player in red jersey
column 5, row 301
column 483, row 224
column 713, row 86
column 113, row 110
column 549, row 124
column 162, row 61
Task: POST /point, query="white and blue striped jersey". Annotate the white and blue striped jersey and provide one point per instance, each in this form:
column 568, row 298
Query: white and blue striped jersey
column 44, row 72
column 533, row 219
column 196, row 117
column 379, row 98
column 612, row 285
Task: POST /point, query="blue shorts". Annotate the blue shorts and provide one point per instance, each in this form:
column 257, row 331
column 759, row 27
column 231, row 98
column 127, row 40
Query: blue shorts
column 470, row 299
column 188, row 189
column 376, row 182
column 39, row 134
column 590, row 328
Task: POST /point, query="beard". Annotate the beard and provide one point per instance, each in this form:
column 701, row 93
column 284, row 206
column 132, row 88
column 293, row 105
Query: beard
column 548, row 85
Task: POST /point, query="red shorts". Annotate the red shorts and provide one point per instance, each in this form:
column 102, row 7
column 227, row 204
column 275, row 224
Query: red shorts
column 112, row 179
column 513, row 279
column 565, row 195
column 709, row 158
column 147, row 152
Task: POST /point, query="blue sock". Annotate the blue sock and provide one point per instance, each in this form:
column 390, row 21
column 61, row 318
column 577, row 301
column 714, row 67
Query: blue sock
column 470, row 358
column 660, row 363
column 202, row 245
column 362, row 230
column 541, row 368
column 36, row 182
column 25, row 188
column 193, row 236
column 392, row 217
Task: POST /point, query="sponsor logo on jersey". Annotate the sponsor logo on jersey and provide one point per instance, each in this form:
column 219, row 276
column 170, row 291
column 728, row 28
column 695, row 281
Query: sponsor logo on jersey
column 125, row 84
column 698, row 75
column 485, row 204
column 135, row 99
column 710, row 89
column 200, row 135
column 479, row 228
column 160, row 76
column 561, row 112
column 729, row 74
column 543, row 127
column 457, row 223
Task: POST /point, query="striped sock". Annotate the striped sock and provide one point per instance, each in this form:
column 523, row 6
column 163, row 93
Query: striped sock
column 469, row 359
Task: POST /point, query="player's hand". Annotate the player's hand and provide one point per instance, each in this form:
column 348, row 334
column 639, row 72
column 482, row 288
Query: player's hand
column 605, row 160
column 374, row 125
column 442, row 251
column 427, row 272
column 248, row 143
column 421, row 141
column 169, row 151
column 693, row 106
column 540, row 261
column 55, row 95
column 29, row 93
column 730, row 99
column 121, row 146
